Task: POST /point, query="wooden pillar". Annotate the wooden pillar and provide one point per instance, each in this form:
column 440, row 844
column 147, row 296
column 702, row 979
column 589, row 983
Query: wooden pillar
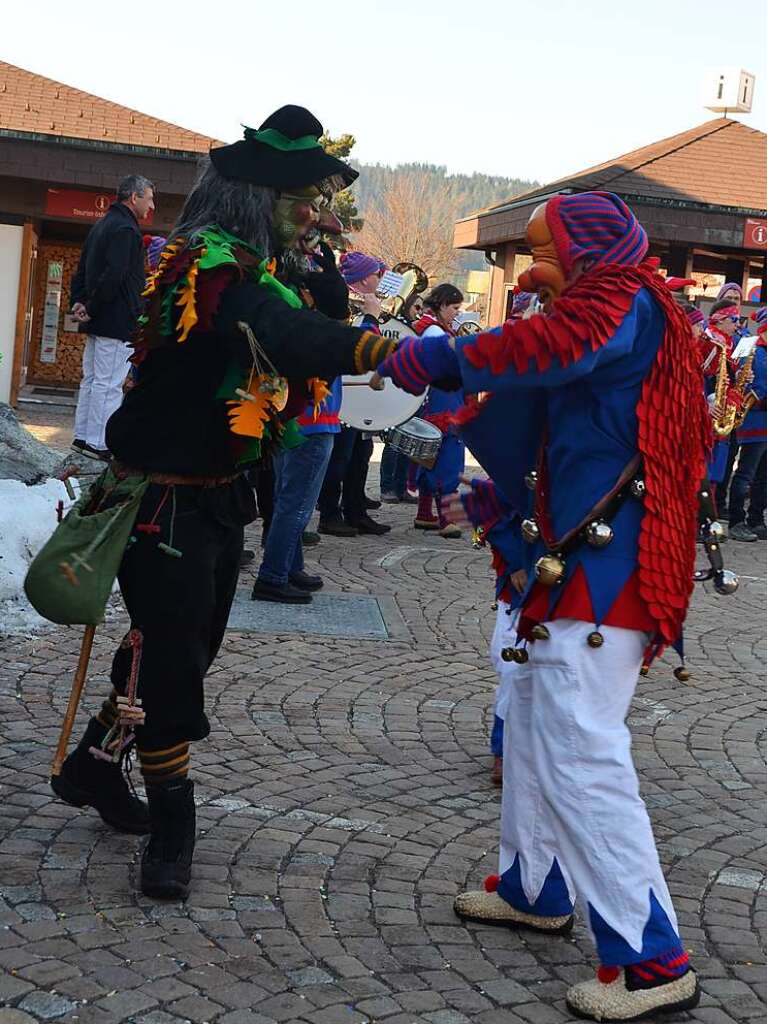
column 736, row 270
column 23, row 309
column 678, row 261
column 501, row 274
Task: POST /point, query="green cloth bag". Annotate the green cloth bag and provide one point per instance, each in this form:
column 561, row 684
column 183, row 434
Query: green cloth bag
column 71, row 577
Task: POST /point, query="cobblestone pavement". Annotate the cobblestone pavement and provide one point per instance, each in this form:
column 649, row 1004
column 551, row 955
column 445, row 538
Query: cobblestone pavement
column 344, row 799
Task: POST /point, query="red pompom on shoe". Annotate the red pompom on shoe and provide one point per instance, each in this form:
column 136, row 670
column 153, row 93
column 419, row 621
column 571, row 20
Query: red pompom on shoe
column 491, row 883
column 607, row 975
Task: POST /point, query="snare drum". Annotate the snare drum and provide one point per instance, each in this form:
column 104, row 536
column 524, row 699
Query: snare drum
column 375, row 411
column 419, row 440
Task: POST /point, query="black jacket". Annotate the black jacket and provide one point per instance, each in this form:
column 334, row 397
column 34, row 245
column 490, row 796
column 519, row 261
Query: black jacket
column 110, row 275
column 173, row 420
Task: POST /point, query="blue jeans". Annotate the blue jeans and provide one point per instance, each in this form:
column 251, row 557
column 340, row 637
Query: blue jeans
column 394, row 466
column 298, row 476
column 749, row 479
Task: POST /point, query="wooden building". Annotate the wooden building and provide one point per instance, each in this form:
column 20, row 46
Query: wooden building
column 62, row 154
column 701, row 196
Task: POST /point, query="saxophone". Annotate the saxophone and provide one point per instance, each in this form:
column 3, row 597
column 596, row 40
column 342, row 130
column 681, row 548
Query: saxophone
column 724, row 413
column 743, row 379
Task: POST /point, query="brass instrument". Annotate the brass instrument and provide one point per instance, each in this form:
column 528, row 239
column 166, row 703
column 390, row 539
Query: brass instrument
column 468, row 327
column 723, row 413
column 414, row 281
column 743, row 379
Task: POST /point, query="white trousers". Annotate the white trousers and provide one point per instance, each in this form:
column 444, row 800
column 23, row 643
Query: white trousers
column 570, row 789
column 105, row 366
column 504, row 635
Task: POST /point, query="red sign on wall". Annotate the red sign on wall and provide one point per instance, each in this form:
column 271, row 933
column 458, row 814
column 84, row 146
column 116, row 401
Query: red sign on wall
column 79, row 204
column 755, row 234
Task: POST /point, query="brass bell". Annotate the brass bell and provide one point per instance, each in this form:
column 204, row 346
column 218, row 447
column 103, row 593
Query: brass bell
column 595, row 639
column 550, row 570
column 515, row 654
column 715, row 530
column 638, row 488
column 682, row 674
column 599, row 533
column 494, row 606
column 540, row 632
column 644, row 670
column 726, row 582
column 531, row 479
column 530, row 530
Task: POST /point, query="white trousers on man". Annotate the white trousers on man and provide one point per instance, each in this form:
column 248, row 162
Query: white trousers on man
column 105, row 366
column 570, row 790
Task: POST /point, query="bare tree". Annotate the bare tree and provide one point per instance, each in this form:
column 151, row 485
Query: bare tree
column 407, row 221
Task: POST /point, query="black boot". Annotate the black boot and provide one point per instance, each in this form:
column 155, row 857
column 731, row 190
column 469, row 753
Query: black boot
column 87, row 781
column 166, row 863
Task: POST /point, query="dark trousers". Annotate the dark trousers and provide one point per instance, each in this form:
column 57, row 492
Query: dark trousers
column 394, row 467
column 749, row 480
column 263, row 482
column 181, row 605
column 346, row 476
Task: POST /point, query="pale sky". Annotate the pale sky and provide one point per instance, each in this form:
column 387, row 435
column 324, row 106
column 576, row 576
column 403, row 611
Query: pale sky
column 526, row 89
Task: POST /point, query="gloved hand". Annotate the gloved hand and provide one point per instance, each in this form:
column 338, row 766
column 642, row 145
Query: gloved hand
column 481, row 503
column 326, row 286
column 418, row 362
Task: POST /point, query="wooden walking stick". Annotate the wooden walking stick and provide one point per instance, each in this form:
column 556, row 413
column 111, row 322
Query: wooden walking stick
column 78, row 684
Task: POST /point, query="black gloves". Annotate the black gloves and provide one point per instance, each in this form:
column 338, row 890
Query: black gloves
column 326, row 286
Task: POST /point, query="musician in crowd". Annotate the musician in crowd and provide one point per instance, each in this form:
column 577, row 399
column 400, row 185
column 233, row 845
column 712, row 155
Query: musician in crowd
column 299, row 471
column 441, row 306
column 602, row 397
column 716, row 343
column 395, row 465
column 749, row 480
column 344, row 506
column 227, row 349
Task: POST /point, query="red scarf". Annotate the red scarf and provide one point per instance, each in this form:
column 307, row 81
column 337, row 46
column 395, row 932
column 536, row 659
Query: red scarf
column 429, row 320
column 674, row 434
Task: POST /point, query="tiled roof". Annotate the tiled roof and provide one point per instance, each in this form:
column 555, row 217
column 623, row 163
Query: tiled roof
column 33, row 104
column 722, row 163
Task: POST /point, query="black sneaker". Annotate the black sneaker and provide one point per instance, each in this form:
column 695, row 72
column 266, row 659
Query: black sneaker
column 304, row 581
column 336, row 527
column 282, row 593
column 739, row 531
column 87, row 781
column 77, row 445
column 310, row 539
column 760, row 530
column 367, row 525
column 101, row 454
column 371, row 504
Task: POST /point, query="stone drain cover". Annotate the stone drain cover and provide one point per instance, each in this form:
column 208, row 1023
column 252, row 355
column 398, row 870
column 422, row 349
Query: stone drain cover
column 355, row 616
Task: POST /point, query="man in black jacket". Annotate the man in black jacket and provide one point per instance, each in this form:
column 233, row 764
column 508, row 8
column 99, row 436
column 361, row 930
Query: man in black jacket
column 106, row 299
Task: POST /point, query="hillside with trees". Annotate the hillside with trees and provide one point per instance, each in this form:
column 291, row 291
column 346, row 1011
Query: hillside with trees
column 408, row 212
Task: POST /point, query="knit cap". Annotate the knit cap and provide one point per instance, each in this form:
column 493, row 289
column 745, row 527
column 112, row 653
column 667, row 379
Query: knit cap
column 356, row 266
column 597, row 226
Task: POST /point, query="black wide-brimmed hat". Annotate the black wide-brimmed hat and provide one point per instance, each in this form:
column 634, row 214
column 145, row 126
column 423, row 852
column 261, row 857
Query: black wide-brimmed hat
column 283, row 153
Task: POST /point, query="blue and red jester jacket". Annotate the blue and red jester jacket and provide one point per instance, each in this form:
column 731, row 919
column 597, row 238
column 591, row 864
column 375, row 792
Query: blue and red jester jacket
column 489, row 510
column 753, row 430
column 603, row 391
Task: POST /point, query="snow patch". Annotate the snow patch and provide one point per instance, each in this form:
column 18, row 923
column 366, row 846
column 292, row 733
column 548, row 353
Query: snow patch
column 27, row 519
